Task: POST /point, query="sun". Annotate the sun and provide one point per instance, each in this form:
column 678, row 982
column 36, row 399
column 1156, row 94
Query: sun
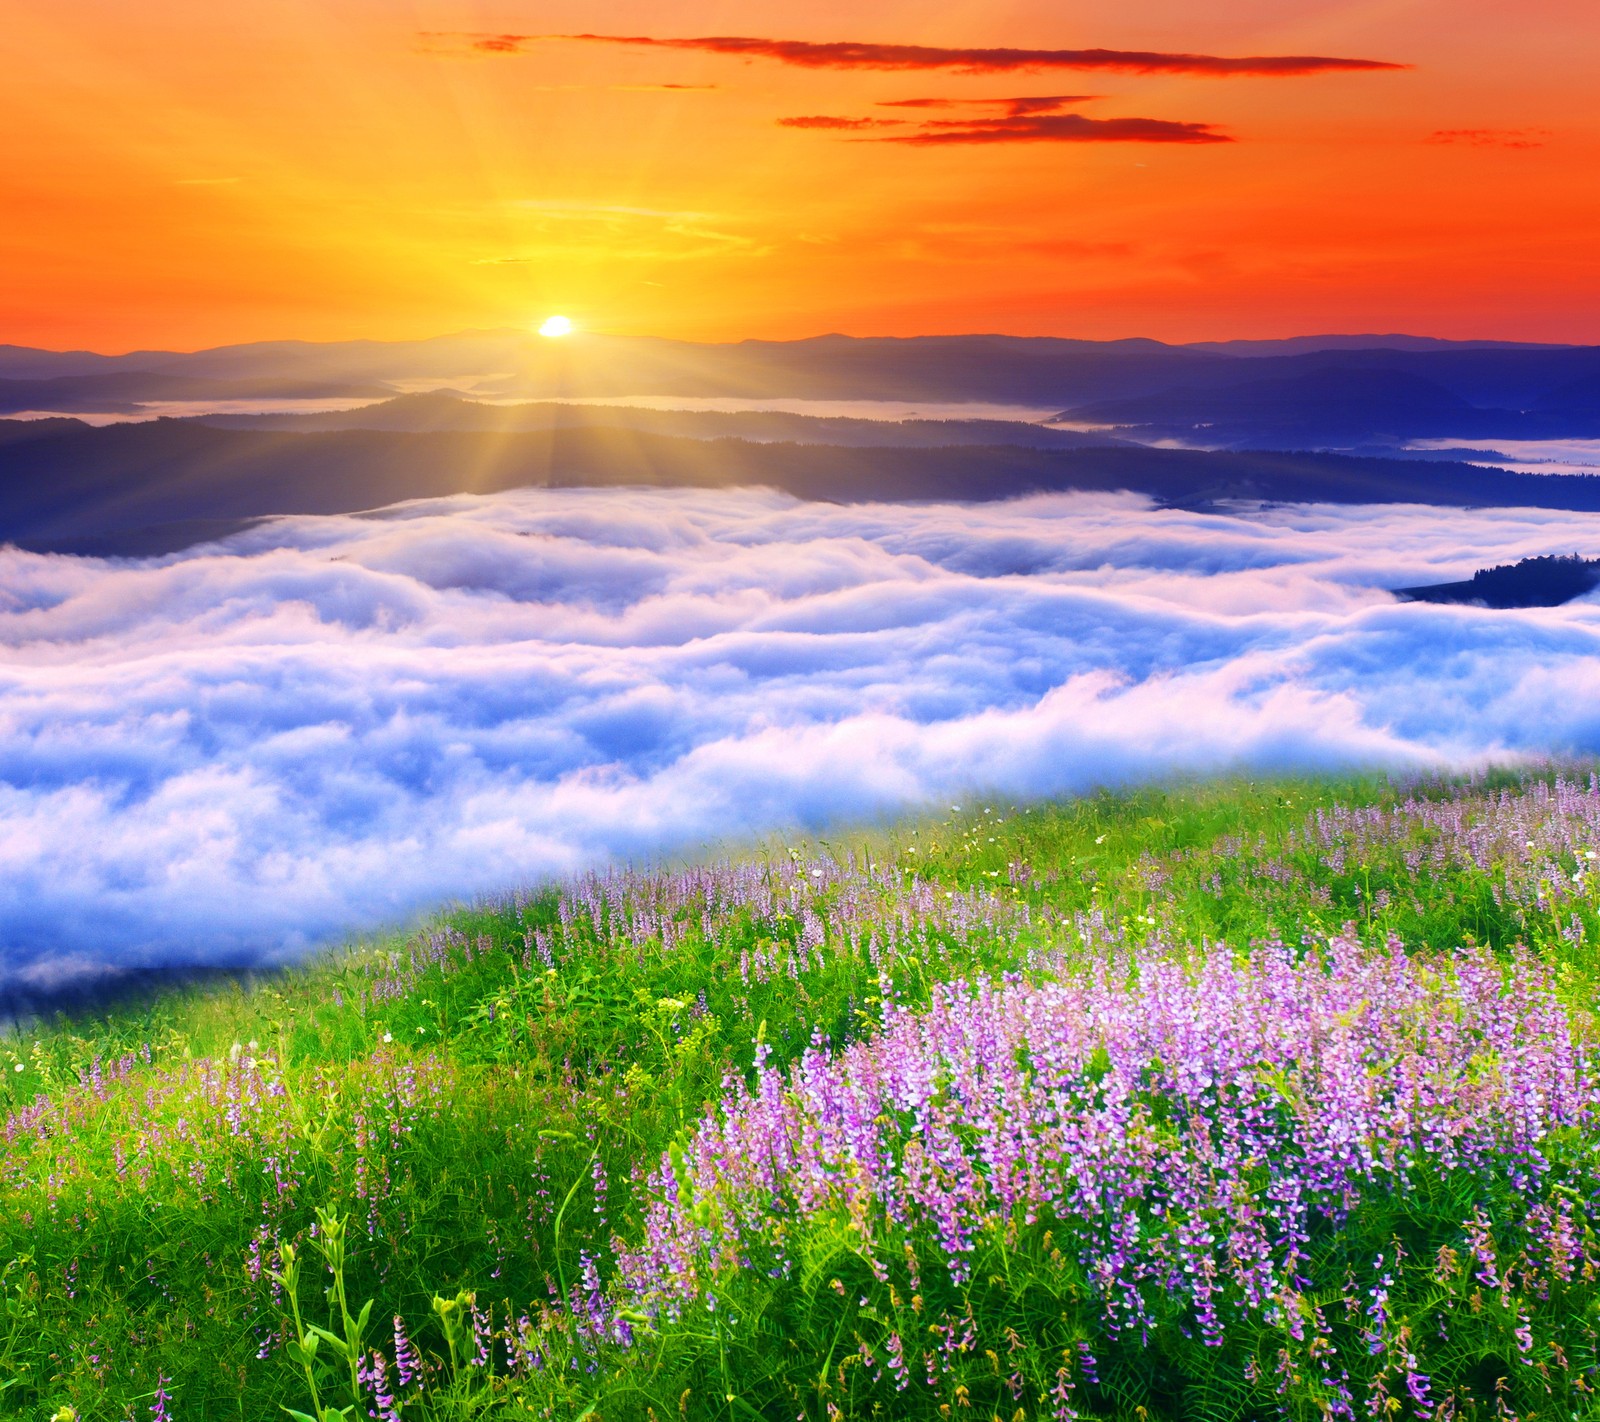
column 556, row 326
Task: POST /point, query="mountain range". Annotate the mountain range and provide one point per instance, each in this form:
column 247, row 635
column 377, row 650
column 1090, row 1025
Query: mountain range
column 1408, row 386
column 156, row 486
column 486, row 411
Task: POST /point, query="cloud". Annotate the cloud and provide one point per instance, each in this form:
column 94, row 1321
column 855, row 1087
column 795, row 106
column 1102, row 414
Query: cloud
column 325, row 724
column 498, row 44
column 1491, row 137
column 829, row 121
column 1060, row 128
column 1027, row 120
column 855, row 55
column 1015, row 108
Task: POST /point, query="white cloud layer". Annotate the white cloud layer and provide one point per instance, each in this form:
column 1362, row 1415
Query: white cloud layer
column 328, row 723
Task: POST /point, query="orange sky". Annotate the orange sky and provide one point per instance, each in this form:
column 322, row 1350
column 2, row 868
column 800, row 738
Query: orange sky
column 181, row 174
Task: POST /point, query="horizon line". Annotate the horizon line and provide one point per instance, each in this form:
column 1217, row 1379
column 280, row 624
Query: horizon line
column 531, row 332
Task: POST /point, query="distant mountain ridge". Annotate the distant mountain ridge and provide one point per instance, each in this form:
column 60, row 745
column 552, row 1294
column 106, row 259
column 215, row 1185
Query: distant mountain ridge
column 1056, row 372
column 127, row 391
column 1333, row 400
column 1310, row 393
column 1309, row 345
column 37, row 363
column 1582, row 397
column 441, row 410
column 153, row 487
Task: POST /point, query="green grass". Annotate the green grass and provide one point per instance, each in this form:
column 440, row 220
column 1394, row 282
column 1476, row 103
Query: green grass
column 456, row 1100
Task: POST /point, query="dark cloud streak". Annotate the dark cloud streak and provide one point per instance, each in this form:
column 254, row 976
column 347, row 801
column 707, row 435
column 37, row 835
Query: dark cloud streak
column 1014, row 107
column 828, row 121
column 1060, row 128
column 1491, row 137
column 848, row 54
column 1027, row 119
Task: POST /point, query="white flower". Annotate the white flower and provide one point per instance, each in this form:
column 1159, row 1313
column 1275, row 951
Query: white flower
column 17, row 1067
column 388, row 1036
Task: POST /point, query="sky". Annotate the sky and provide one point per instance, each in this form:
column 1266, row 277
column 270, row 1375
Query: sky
column 324, row 725
column 195, row 174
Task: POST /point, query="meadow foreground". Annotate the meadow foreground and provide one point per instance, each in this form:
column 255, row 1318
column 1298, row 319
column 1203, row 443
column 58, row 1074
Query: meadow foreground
column 1233, row 1100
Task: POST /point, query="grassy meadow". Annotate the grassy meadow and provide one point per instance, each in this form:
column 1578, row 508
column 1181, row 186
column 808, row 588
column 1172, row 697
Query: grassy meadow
column 1224, row 1100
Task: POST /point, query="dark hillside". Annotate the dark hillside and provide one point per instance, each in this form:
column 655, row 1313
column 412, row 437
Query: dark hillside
column 1534, row 582
column 142, row 487
column 1336, row 401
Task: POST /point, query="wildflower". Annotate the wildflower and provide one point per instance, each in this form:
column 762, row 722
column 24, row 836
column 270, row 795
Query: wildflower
column 897, row 1362
column 814, row 1142
column 1523, row 1333
column 1417, row 1385
column 373, row 1373
column 482, row 1333
column 407, row 1361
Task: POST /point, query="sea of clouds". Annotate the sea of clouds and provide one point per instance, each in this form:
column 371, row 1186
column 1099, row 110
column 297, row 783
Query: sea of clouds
column 325, row 724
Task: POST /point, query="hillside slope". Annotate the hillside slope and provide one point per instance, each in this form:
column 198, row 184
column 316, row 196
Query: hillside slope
column 863, row 1128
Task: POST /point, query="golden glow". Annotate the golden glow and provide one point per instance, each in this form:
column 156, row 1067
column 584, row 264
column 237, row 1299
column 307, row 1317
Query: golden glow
column 329, row 169
column 556, row 326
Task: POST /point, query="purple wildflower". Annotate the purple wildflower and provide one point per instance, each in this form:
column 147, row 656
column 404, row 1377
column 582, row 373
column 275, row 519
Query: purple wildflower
column 407, row 1361
column 374, row 1375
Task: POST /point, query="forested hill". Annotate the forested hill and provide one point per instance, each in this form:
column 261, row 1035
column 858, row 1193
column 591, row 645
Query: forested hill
column 1533, row 582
